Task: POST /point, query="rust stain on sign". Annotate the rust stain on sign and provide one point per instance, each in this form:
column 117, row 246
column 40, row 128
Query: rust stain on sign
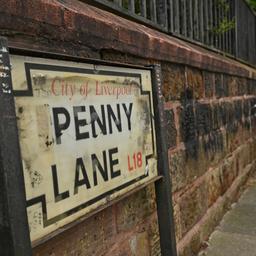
column 86, row 137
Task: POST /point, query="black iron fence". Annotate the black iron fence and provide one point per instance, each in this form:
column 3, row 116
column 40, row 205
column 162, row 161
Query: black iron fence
column 225, row 25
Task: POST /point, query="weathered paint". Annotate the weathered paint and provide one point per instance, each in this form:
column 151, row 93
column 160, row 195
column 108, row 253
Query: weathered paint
column 69, row 127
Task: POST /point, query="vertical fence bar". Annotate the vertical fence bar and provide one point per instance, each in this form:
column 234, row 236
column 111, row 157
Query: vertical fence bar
column 183, row 14
column 253, row 60
column 201, row 20
column 231, row 19
column 153, row 10
column 190, row 21
column 171, row 16
column 229, row 31
column 161, row 12
column 195, row 20
column 215, row 23
column 232, row 39
column 219, row 34
column 206, row 22
column 118, row 2
column 251, row 49
column 143, row 8
column 131, row 6
column 210, row 23
column 233, row 31
column 177, row 16
column 236, row 28
column 221, row 46
column 224, row 15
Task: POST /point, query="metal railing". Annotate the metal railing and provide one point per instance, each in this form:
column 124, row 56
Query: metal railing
column 225, row 25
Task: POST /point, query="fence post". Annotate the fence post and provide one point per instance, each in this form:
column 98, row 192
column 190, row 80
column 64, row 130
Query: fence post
column 163, row 186
column 236, row 28
column 14, row 231
column 161, row 13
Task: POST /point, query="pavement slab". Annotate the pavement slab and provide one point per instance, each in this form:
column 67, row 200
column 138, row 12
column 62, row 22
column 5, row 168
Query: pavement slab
column 230, row 244
column 236, row 234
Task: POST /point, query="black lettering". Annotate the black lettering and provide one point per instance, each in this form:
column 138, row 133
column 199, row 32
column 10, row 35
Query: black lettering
column 112, row 116
column 128, row 114
column 57, row 126
column 113, row 162
column 84, row 180
column 101, row 123
column 80, row 122
column 97, row 165
column 58, row 196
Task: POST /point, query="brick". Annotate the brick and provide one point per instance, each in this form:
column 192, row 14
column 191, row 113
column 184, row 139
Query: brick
column 135, row 208
column 139, row 245
column 187, row 122
column 177, row 163
column 232, row 85
column 213, row 180
column 238, row 105
column 153, row 235
column 91, row 237
column 223, row 113
column 246, row 108
column 253, row 87
column 248, row 86
column 225, row 86
column 171, row 131
column 177, row 222
column 211, row 151
column 213, row 220
column 208, row 84
column 195, row 244
column 242, row 86
column 227, row 175
column 216, row 116
column 195, row 82
column 219, row 89
column 116, row 56
column 12, row 7
column 193, row 206
column 251, row 151
column 28, row 28
column 231, row 121
column 43, row 11
column 203, row 118
column 214, row 146
column 243, row 156
column 123, row 249
column 173, row 81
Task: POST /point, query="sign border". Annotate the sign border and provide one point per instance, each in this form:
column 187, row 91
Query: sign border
column 28, row 93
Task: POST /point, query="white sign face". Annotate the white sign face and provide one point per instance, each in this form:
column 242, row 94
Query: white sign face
column 86, row 136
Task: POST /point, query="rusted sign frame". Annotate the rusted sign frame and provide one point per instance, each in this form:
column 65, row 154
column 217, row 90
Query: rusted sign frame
column 14, row 231
column 12, row 180
column 163, row 186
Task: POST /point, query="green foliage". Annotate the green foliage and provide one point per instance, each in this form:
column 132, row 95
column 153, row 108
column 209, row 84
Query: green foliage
column 252, row 4
column 224, row 26
column 226, row 23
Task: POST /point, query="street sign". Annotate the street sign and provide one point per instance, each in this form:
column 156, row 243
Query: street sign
column 86, row 136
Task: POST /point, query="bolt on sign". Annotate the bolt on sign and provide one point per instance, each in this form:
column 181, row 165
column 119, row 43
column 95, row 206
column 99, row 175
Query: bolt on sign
column 86, row 136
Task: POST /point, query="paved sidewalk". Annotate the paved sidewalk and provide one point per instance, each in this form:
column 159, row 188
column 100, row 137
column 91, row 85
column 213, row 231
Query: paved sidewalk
column 236, row 235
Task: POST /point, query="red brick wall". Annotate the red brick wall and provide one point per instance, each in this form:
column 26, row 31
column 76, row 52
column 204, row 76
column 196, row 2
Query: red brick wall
column 210, row 128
